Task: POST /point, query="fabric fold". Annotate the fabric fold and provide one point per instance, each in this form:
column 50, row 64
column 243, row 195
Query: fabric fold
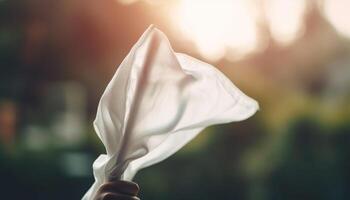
column 157, row 102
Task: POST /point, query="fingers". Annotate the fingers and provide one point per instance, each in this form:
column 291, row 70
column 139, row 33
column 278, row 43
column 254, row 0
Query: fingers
column 118, row 190
column 122, row 187
column 116, row 196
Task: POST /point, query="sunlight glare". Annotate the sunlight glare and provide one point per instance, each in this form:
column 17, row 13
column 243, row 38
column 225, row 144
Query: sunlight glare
column 285, row 19
column 337, row 12
column 216, row 26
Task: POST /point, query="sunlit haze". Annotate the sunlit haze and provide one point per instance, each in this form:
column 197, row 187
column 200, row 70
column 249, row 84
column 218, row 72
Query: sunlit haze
column 230, row 28
column 285, row 18
column 337, row 12
column 216, row 26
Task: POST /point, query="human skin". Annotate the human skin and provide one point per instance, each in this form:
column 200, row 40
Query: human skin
column 118, row 190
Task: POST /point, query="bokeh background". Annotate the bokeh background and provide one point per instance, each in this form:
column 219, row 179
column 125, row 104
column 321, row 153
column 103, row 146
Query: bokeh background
column 293, row 56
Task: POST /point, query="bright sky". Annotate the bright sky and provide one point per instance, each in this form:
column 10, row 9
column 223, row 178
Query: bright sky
column 218, row 26
column 337, row 12
column 229, row 28
column 285, row 19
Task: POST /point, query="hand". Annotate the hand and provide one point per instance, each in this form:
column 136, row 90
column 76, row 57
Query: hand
column 118, row 190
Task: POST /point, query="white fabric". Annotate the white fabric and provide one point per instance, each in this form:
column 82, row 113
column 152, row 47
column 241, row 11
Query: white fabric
column 180, row 97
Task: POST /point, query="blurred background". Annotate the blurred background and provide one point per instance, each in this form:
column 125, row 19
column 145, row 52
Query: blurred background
column 292, row 56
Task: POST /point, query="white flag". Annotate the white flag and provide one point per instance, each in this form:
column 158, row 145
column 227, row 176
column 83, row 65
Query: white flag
column 157, row 102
